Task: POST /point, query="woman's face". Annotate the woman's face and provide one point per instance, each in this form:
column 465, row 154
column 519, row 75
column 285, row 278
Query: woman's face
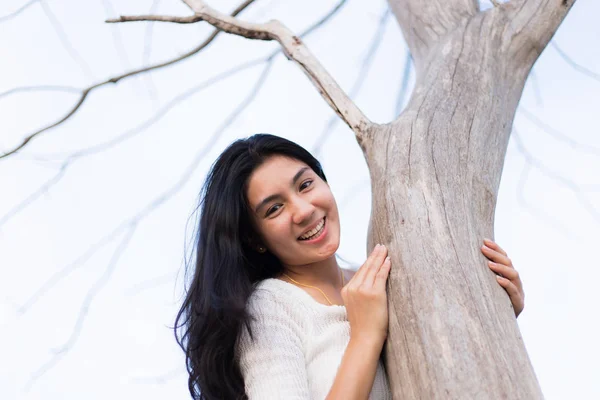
column 294, row 211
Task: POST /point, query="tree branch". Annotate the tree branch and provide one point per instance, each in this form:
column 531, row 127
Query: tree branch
column 294, row 49
column 531, row 24
column 18, row 11
column 160, row 18
column 555, row 133
column 116, row 79
column 72, row 158
column 363, row 72
column 576, row 66
column 67, row 45
column 424, row 23
column 566, row 182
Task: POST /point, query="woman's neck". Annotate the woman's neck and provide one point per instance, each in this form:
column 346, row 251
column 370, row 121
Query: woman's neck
column 326, row 272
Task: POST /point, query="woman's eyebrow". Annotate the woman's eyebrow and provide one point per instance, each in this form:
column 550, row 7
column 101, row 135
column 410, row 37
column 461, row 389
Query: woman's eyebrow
column 299, row 174
column 275, row 196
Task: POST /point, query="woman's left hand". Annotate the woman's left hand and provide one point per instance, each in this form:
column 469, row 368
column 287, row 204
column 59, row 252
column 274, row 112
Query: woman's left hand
column 508, row 276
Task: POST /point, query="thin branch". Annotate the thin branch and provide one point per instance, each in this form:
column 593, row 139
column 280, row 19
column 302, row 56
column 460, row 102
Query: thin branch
column 62, row 36
column 537, row 212
column 358, row 82
column 15, row 13
column 557, row 134
column 43, row 88
column 158, row 18
column 318, row 24
column 294, row 49
column 71, row 159
column 148, row 41
column 116, row 79
column 150, row 284
column 116, row 34
column 127, row 135
column 577, row 67
column 149, row 35
column 569, row 184
column 536, row 89
column 39, row 192
column 60, row 352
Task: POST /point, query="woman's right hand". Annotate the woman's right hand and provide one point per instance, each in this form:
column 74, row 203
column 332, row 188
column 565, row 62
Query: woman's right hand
column 365, row 299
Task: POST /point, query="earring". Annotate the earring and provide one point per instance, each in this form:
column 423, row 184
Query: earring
column 261, row 249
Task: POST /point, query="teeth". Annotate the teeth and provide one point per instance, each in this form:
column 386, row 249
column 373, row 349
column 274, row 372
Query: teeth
column 313, row 232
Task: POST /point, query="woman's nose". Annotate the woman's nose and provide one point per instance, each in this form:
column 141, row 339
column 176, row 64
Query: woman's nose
column 303, row 211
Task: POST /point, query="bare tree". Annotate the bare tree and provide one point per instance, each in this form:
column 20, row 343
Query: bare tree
column 436, row 171
column 436, row 182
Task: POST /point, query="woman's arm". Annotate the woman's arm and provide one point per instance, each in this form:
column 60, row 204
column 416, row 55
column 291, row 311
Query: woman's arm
column 365, row 299
column 357, row 370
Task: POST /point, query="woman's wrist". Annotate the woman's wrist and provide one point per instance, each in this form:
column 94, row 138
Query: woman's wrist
column 367, row 342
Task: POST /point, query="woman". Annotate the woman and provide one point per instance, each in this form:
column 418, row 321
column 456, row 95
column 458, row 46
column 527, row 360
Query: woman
column 269, row 314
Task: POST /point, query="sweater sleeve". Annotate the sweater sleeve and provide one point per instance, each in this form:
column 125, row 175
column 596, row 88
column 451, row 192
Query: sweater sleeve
column 273, row 364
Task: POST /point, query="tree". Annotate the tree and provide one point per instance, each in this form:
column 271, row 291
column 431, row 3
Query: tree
column 439, row 184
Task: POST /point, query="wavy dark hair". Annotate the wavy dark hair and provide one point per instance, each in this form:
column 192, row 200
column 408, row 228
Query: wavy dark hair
column 226, row 266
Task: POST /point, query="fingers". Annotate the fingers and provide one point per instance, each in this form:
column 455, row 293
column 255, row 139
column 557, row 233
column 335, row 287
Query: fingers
column 499, row 256
column 504, row 270
column 368, row 271
column 516, row 295
column 376, row 265
column 382, row 275
column 361, row 273
column 493, row 245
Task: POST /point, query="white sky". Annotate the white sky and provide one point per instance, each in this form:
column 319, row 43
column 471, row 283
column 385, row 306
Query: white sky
column 548, row 214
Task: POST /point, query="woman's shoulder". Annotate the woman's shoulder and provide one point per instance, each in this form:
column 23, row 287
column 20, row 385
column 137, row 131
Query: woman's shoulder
column 272, row 290
column 269, row 291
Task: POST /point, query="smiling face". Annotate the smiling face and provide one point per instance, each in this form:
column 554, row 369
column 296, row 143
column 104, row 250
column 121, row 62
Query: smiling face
column 294, row 211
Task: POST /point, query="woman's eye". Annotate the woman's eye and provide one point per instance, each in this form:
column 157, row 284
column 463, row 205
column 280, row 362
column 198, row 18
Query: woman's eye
column 305, row 184
column 273, row 209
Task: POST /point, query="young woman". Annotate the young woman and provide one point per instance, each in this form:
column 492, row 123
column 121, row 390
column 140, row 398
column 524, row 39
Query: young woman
column 269, row 314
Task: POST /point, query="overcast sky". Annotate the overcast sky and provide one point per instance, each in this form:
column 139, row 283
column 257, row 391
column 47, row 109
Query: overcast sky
column 92, row 267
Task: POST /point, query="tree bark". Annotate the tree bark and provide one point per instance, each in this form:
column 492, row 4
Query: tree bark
column 435, row 173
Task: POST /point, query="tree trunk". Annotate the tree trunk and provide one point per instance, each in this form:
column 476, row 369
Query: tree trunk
column 435, row 174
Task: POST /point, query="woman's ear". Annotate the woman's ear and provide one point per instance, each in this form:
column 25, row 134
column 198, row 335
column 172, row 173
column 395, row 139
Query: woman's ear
column 255, row 245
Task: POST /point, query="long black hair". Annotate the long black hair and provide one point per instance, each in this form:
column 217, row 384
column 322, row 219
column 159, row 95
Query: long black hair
column 227, row 265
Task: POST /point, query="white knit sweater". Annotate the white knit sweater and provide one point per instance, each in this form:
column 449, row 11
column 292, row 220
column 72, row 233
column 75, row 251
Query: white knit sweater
column 298, row 345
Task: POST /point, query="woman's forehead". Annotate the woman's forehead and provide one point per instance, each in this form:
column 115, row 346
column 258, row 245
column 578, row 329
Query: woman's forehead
column 275, row 173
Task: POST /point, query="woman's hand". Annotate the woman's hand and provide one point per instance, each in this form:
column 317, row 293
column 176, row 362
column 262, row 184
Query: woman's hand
column 508, row 276
column 365, row 299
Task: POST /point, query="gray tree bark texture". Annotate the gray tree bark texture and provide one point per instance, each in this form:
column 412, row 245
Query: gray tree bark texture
column 435, row 173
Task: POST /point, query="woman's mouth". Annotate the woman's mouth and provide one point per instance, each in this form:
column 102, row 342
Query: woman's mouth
column 315, row 233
